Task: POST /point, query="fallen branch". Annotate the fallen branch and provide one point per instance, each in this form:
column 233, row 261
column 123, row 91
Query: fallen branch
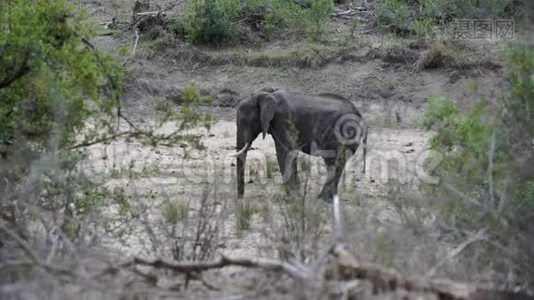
column 350, row 12
column 158, row 12
column 225, row 261
column 35, row 260
column 382, row 279
column 150, row 13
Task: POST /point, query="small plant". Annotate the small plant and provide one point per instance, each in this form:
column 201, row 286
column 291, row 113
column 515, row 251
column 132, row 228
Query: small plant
column 244, row 213
column 318, row 16
column 150, row 170
column 301, row 227
column 175, row 211
column 120, row 198
column 270, row 166
column 393, row 15
column 201, row 234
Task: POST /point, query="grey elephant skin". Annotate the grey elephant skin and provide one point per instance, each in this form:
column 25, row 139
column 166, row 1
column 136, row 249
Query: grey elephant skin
column 325, row 125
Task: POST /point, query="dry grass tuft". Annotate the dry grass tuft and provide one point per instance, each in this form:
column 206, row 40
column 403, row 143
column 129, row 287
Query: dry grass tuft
column 437, row 56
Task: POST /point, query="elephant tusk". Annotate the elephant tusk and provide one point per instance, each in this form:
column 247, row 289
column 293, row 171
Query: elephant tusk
column 240, row 152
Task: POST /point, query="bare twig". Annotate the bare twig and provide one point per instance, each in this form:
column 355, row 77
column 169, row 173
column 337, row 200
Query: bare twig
column 479, row 236
column 102, row 140
column 122, row 116
column 136, row 33
column 150, row 13
column 459, row 193
column 136, row 41
column 22, row 243
column 348, row 268
column 157, row 12
column 53, row 249
column 350, row 14
column 150, row 278
column 32, row 255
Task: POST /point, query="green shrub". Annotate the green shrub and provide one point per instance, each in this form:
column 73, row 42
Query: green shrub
column 393, row 15
column 217, row 21
column 318, row 16
column 422, row 17
column 59, row 94
column 284, row 15
column 486, row 170
column 211, row 21
column 175, row 211
column 50, row 72
column 277, row 15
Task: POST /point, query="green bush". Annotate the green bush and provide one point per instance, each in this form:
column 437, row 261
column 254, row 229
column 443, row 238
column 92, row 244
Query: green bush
column 58, row 95
column 393, row 15
column 217, row 21
column 318, row 16
column 284, row 15
column 486, row 175
column 422, row 17
column 278, row 15
column 52, row 79
column 211, row 21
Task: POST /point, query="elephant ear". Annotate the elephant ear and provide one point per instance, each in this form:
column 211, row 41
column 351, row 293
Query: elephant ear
column 267, row 105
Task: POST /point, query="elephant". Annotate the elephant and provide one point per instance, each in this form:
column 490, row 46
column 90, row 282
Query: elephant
column 326, row 125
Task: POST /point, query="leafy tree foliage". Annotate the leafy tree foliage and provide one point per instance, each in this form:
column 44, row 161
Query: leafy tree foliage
column 217, row 21
column 53, row 80
column 421, row 17
column 486, row 172
column 59, row 94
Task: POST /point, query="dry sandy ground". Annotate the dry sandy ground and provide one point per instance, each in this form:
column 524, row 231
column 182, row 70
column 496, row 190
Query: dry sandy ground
column 170, row 174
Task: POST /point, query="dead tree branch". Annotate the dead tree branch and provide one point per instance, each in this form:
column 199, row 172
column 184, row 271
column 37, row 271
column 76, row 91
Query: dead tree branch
column 347, row 268
column 225, row 261
column 351, row 13
column 479, row 236
column 103, row 139
column 32, row 255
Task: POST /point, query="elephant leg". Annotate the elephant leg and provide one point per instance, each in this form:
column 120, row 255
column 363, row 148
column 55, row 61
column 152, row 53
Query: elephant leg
column 287, row 161
column 335, row 169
